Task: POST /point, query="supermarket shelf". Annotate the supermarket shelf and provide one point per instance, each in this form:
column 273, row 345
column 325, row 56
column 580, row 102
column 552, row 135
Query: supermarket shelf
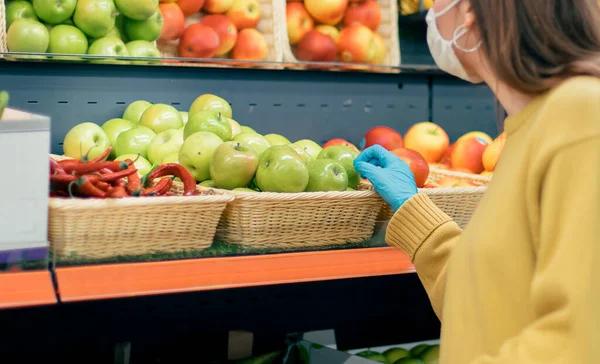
column 141, row 279
column 26, row 289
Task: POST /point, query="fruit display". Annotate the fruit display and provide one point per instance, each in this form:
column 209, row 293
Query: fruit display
column 408, row 7
column 420, row 354
column 121, row 28
column 338, row 31
column 214, row 29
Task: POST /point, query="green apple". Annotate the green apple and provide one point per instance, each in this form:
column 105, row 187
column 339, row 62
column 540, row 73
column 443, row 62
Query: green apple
column 209, row 102
column 326, row 175
column 141, row 164
column 394, row 354
column 137, row 9
column 170, row 158
column 113, row 128
column 143, row 49
column 67, row 39
column 345, row 155
column 247, row 129
column 233, row 165
column 406, row 361
column 416, row 351
column 96, row 18
column 85, row 139
column 258, row 142
column 185, row 116
column 350, row 189
column 54, row 11
column 301, row 153
column 276, row 139
column 373, row 355
column 244, row 189
column 211, row 121
column 430, row 355
column 27, row 35
column 110, row 47
column 161, row 117
column 4, row 99
column 280, row 169
column 165, row 143
column 236, row 128
column 135, row 110
column 208, row 183
column 148, row 29
column 311, row 148
column 135, row 141
column 196, row 153
column 18, row 9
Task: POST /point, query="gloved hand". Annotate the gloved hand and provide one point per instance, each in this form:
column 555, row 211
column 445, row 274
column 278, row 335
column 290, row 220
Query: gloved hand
column 391, row 177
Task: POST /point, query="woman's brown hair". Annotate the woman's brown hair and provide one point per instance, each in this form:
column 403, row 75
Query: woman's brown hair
column 532, row 45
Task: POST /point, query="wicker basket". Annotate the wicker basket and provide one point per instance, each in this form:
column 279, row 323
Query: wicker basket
column 266, row 27
column 459, row 203
column 3, row 47
column 388, row 30
column 298, row 220
column 103, row 228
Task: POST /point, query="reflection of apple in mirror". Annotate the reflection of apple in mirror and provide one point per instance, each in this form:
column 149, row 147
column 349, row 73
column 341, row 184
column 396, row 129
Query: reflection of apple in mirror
column 225, row 29
column 210, row 121
column 209, row 102
column 316, row 47
column 165, row 143
column 367, row 13
column 311, row 148
column 134, row 141
column 135, row 110
column 27, row 35
column 85, row 139
column 161, row 117
column 280, row 169
column 217, row 6
column 17, row 9
column 357, row 44
column 327, row 11
column 299, row 22
column 113, row 128
column 196, row 153
column 96, row 18
column 198, row 41
column 250, row 46
column 233, row 165
column 142, row 165
column 277, row 139
column 258, row 142
column 244, row 13
column 345, row 156
column 326, row 175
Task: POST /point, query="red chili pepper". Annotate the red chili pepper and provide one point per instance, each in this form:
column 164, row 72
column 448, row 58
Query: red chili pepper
column 177, row 170
column 55, row 167
column 120, row 183
column 85, row 186
column 63, row 178
column 110, row 177
column 117, row 192
column 102, row 156
column 159, row 188
column 133, row 180
column 104, row 186
column 84, row 168
column 69, row 163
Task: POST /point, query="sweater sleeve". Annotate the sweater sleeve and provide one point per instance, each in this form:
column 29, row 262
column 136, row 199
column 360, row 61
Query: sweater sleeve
column 564, row 289
column 428, row 235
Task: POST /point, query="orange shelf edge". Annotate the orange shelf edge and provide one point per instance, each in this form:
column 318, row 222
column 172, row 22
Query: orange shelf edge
column 24, row 289
column 140, row 279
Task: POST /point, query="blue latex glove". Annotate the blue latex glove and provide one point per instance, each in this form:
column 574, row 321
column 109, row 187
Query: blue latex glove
column 391, row 177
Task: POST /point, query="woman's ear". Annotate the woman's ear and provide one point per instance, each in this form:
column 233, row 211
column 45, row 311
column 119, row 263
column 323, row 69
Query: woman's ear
column 467, row 10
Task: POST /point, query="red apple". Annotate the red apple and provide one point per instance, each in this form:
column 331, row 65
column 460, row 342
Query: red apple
column 329, row 30
column 225, row 29
column 384, row 136
column 298, row 20
column 367, row 13
column 198, row 41
column 174, row 21
column 327, row 11
column 431, row 185
column 418, row 165
column 428, row 139
column 251, row 46
column 217, row 6
column 245, row 13
column 190, row 7
column 316, row 47
column 468, row 154
column 447, row 157
column 357, row 44
column 492, row 153
column 479, row 134
column 338, row 141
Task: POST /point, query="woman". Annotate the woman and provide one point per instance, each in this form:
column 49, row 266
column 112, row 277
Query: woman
column 521, row 284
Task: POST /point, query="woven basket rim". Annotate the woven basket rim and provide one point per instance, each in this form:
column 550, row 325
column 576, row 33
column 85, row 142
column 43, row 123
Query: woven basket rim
column 277, row 196
column 462, row 175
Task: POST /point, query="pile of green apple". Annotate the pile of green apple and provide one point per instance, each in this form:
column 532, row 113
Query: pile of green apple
column 420, row 354
column 110, row 28
column 216, row 149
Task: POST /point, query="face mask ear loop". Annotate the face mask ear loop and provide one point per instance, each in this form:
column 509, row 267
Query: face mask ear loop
column 448, row 8
column 458, row 33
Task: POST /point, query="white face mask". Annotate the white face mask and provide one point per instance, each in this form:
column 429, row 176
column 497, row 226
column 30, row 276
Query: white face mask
column 442, row 50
